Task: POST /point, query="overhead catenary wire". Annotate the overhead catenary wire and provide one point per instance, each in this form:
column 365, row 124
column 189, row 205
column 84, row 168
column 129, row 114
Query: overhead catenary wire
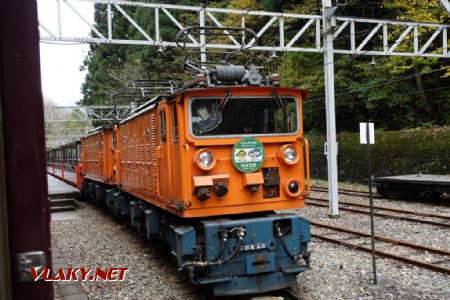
column 364, row 88
column 380, row 98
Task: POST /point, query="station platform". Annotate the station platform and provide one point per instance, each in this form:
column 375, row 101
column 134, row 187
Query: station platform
column 418, row 179
column 411, row 185
column 68, row 176
column 58, row 187
column 62, row 196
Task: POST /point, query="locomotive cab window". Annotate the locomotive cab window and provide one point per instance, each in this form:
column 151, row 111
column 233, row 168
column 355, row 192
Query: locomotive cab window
column 244, row 116
column 114, row 138
column 79, row 152
column 174, row 124
column 162, row 119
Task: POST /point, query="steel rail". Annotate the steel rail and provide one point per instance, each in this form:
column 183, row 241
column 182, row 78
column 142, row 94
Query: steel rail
column 385, row 239
column 383, row 215
column 286, row 294
column 431, row 215
column 387, row 254
column 343, row 191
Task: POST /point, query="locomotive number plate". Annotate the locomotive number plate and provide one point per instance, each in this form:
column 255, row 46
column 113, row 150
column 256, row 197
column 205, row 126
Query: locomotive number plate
column 257, row 246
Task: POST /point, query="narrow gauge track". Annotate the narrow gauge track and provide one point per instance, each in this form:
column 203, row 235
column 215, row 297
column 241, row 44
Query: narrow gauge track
column 344, row 192
column 434, row 266
column 350, row 192
column 443, row 222
column 165, row 262
column 285, row 294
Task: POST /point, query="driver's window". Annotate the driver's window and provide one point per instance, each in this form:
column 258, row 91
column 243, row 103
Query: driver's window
column 203, row 109
column 205, row 116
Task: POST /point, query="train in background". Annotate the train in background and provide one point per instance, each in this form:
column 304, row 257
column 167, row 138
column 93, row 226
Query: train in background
column 64, row 162
column 204, row 169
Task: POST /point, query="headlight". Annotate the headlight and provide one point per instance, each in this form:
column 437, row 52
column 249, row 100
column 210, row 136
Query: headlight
column 205, row 159
column 288, row 154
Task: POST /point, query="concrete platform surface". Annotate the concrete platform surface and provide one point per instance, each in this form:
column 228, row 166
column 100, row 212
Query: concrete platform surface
column 417, row 179
column 56, row 187
column 65, row 216
column 68, row 175
column 68, row 290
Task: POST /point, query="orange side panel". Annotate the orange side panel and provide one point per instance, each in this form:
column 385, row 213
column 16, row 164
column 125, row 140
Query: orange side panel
column 138, row 162
column 164, row 173
column 78, row 172
column 98, row 159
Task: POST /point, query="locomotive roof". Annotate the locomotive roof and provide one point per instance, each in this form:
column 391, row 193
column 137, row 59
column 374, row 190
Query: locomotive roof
column 150, row 105
column 210, row 90
column 220, row 89
column 74, row 143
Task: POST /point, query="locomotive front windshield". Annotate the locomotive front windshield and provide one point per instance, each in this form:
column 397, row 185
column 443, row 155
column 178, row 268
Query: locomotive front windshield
column 244, row 116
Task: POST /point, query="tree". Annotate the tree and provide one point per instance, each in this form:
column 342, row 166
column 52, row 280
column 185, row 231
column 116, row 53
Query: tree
column 395, row 93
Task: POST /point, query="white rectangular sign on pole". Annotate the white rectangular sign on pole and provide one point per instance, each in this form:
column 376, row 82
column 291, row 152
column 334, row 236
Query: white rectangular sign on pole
column 363, row 133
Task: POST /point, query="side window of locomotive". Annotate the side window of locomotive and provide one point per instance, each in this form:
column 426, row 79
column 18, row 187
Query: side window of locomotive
column 114, row 138
column 175, row 124
column 162, row 119
column 257, row 116
column 78, row 152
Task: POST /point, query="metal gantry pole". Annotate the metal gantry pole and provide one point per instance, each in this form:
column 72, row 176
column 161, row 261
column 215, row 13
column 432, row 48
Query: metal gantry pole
column 331, row 145
column 372, row 222
column 203, row 57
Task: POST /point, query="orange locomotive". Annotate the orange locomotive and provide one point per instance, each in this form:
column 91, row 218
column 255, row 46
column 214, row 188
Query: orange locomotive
column 158, row 156
column 203, row 169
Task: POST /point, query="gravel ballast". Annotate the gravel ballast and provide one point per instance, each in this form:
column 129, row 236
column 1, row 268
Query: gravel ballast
column 96, row 239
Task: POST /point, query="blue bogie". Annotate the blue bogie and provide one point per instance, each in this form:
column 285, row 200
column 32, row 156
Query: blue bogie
column 233, row 255
column 99, row 193
column 152, row 223
column 109, row 198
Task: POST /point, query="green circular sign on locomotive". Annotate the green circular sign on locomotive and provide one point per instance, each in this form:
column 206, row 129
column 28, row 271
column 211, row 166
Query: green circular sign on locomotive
column 248, row 155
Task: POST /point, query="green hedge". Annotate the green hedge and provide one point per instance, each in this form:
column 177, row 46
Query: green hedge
column 394, row 153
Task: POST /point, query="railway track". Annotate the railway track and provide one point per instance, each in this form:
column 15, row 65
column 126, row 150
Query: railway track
column 442, row 220
column 344, row 192
column 350, row 234
column 444, row 200
column 284, row 294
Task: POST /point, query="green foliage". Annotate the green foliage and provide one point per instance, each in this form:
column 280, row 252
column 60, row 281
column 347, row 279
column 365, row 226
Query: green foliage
column 394, row 153
column 110, row 67
column 395, row 93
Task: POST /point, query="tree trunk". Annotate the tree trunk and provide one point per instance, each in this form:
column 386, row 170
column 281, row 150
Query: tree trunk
column 420, row 90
